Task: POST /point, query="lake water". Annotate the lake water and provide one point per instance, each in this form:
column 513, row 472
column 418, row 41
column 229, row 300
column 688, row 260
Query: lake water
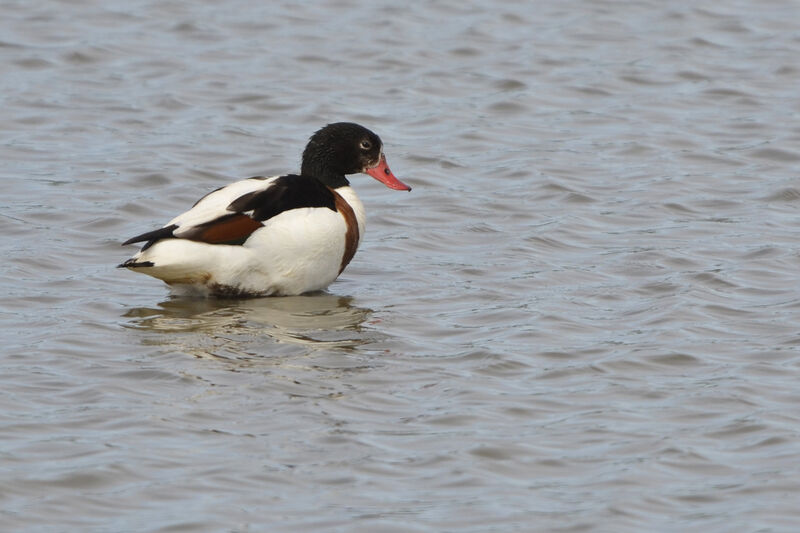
column 585, row 317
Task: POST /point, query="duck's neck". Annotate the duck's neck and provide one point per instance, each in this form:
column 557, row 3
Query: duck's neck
column 332, row 179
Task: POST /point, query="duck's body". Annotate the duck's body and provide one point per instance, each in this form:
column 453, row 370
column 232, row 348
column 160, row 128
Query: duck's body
column 282, row 235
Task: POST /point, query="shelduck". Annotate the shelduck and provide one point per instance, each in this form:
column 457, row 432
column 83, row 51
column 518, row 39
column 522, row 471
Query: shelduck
column 279, row 235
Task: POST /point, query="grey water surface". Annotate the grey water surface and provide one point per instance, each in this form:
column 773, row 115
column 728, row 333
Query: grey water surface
column 584, row 317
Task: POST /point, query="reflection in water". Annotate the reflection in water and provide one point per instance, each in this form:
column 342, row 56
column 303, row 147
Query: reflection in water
column 227, row 327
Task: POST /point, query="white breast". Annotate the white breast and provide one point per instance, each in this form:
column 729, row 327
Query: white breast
column 351, row 198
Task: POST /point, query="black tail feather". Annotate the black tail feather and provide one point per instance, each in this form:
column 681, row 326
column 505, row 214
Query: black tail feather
column 131, row 263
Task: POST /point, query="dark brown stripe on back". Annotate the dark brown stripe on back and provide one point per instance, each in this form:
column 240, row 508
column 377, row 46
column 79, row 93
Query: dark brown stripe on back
column 229, row 229
column 351, row 235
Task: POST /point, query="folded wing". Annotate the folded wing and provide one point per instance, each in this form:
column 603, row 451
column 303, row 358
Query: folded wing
column 231, row 214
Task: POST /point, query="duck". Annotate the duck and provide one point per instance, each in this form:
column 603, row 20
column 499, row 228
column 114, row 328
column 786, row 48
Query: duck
column 281, row 235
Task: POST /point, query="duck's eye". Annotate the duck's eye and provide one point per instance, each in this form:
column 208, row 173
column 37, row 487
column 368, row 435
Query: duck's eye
column 366, row 145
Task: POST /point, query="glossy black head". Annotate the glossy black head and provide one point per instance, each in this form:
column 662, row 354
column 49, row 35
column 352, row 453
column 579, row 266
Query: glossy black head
column 339, row 149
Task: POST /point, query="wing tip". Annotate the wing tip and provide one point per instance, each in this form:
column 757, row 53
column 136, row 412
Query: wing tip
column 152, row 236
